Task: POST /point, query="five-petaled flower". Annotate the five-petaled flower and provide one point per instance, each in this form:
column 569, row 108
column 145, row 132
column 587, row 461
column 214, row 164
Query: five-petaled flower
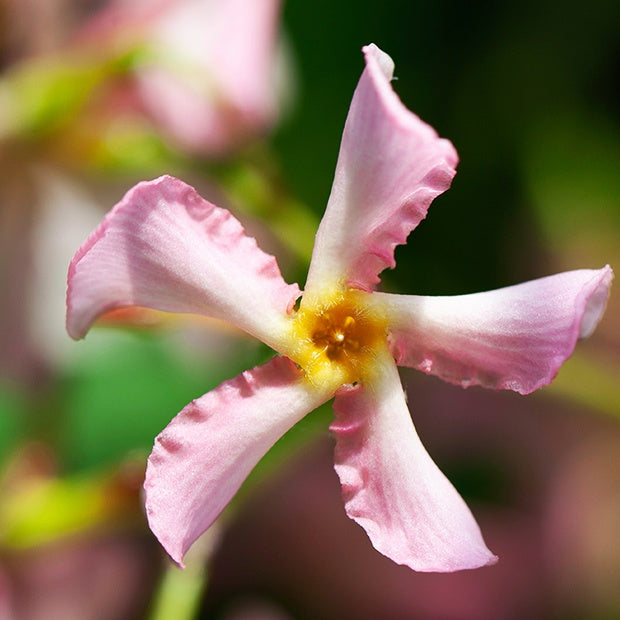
column 165, row 247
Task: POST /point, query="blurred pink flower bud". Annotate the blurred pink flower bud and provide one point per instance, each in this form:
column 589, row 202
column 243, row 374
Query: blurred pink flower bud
column 209, row 73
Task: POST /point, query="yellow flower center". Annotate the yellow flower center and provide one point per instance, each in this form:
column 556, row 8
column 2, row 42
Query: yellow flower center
column 336, row 337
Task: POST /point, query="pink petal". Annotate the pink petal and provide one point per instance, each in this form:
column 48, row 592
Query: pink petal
column 393, row 489
column 165, row 247
column 391, row 166
column 513, row 338
column 202, row 457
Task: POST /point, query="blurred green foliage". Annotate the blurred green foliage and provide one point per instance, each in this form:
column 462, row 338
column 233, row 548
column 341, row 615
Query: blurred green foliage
column 12, row 420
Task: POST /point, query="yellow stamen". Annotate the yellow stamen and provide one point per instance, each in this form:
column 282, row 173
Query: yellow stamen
column 336, row 337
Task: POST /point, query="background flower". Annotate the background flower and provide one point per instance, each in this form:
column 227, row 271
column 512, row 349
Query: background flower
column 209, row 74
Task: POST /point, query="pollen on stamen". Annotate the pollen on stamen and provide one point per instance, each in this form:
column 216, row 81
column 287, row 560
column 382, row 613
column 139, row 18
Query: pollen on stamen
column 337, row 336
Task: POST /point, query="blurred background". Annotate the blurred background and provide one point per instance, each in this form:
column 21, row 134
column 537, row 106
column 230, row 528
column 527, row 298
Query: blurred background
column 246, row 100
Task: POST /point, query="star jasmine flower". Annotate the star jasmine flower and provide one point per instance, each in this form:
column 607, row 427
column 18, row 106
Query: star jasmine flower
column 165, row 247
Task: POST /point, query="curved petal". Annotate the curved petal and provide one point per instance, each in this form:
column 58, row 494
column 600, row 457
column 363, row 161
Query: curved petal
column 165, row 247
column 512, row 338
column 390, row 167
column 200, row 460
column 393, row 489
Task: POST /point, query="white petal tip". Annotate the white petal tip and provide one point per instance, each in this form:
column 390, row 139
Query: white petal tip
column 385, row 62
column 596, row 301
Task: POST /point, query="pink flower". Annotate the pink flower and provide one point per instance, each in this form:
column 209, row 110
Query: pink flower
column 165, row 247
column 208, row 72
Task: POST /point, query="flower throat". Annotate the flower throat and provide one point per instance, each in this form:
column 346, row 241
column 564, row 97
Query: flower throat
column 337, row 335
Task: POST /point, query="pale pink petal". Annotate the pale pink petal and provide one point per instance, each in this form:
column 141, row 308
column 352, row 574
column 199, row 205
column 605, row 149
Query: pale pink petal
column 393, row 489
column 391, row 166
column 203, row 456
column 165, row 247
column 248, row 32
column 512, row 338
